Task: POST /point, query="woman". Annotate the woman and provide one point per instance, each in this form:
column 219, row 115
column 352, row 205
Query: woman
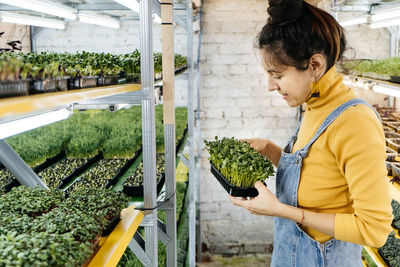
column 332, row 191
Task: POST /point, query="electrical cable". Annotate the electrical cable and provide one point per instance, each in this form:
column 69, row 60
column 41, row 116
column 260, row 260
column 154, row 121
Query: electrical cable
column 165, row 201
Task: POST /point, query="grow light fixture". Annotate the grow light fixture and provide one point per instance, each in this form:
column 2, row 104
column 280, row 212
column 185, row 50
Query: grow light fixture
column 31, row 20
column 18, row 126
column 99, row 20
column 387, row 14
column 355, row 21
column 44, row 7
column 385, row 23
column 131, row 4
column 387, row 90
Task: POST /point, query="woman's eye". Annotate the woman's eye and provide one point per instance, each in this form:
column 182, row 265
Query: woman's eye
column 277, row 77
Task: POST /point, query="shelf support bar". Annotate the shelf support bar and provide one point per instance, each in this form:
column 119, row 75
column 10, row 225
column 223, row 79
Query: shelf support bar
column 137, row 246
column 192, row 178
column 17, row 166
column 148, row 130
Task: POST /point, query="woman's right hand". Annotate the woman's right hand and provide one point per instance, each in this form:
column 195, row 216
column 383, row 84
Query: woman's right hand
column 258, row 144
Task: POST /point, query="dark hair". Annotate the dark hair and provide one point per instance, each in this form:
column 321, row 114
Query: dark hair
column 295, row 31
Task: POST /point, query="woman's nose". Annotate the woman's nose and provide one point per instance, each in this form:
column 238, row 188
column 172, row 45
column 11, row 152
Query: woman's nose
column 272, row 85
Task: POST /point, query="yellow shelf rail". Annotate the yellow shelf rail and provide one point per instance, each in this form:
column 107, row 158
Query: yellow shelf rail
column 112, row 247
column 27, row 104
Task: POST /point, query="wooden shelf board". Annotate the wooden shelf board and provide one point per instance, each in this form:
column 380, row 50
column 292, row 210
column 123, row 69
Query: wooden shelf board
column 112, row 247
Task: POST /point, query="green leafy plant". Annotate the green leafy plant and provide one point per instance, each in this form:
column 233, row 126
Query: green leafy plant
column 390, row 251
column 240, row 164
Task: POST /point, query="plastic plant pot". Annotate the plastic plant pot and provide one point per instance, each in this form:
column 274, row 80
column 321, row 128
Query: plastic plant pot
column 231, row 189
column 87, row 82
column 14, row 88
column 62, row 83
column 44, row 86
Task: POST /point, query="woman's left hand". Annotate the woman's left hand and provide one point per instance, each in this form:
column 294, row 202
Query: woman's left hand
column 265, row 203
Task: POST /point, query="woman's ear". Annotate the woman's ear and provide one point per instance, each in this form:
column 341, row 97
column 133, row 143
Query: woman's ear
column 318, row 66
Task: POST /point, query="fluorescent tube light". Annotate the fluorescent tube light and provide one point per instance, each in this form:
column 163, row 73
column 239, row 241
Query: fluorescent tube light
column 11, row 128
column 131, row 4
column 385, row 23
column 99, row 20
column 31, row 20
column 44, row 7
column 387, row 90
column 387, row 14
column 360, row 20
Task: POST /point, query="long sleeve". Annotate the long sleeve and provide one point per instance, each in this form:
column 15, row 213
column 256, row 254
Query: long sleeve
column 358, row 143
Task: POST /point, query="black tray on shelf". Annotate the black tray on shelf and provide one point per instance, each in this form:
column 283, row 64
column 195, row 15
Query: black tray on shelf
column 111, row 225
column 78, row 171
column 231, row 189
column 49, row 162
column 124, row 168
column 137, row 191
column 14, row 88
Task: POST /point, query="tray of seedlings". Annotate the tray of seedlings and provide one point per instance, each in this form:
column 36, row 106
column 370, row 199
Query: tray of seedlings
column 133, row 185
column 65, row 230
column 237, row 166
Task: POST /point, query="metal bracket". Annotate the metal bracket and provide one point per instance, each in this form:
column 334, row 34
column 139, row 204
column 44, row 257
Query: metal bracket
column 184, row 159
column 167, row 205
column 147, row 221
column 162, row 232
column 125, row 98
column 138, row 248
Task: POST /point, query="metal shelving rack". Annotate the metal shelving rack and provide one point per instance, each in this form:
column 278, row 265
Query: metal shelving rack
column 382, row 87
column 15, row 108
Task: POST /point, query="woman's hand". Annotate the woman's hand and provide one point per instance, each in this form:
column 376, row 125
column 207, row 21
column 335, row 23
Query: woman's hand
column 267, row 148
column 265, row 203
column 258, row 144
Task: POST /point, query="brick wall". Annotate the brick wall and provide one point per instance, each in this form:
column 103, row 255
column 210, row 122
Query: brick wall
column 79, row 37
column 235, row 102
column 15, row 32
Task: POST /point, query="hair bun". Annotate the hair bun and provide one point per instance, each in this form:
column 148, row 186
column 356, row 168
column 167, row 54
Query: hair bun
column 284, row 12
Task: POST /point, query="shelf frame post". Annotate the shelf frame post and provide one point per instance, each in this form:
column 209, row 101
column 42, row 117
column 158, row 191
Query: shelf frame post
column 148, row 130
column 168, row 67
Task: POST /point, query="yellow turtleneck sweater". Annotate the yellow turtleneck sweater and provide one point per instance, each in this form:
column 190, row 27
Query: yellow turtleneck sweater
column 344, row 172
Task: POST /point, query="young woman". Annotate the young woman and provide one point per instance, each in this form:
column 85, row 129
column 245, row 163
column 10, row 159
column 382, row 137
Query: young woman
column 332, row 193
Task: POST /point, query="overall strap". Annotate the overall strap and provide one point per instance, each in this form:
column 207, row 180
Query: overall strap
column 331, row 118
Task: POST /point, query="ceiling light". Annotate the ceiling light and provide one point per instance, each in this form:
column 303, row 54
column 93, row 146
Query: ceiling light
column 387, row 14
column 355, row 21
column 44, row 7
column 385, row 23
column 18, row 126
column 99, row 20
column 131, row 4
column 31, row 20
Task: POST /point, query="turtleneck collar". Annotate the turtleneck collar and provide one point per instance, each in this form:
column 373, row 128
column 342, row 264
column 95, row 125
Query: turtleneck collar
column 327, row 89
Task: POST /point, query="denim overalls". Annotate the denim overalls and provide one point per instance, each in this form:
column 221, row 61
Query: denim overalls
column 293, row 246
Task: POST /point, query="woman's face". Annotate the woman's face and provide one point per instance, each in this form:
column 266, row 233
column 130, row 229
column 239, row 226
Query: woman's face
column 292, row 84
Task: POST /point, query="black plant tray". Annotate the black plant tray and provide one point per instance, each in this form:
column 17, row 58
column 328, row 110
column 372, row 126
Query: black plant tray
column 111, row 225
column 231, row 189
column 11, row 185
column 124, row 168
column 84, row 82
column 43, row 86
column 49, row 162
column 137, row 191
column 80, row 170
column 14, row 88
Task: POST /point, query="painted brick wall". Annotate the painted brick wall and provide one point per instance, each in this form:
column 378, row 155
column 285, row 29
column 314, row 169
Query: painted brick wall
column 235, row 102
column 86, row 37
